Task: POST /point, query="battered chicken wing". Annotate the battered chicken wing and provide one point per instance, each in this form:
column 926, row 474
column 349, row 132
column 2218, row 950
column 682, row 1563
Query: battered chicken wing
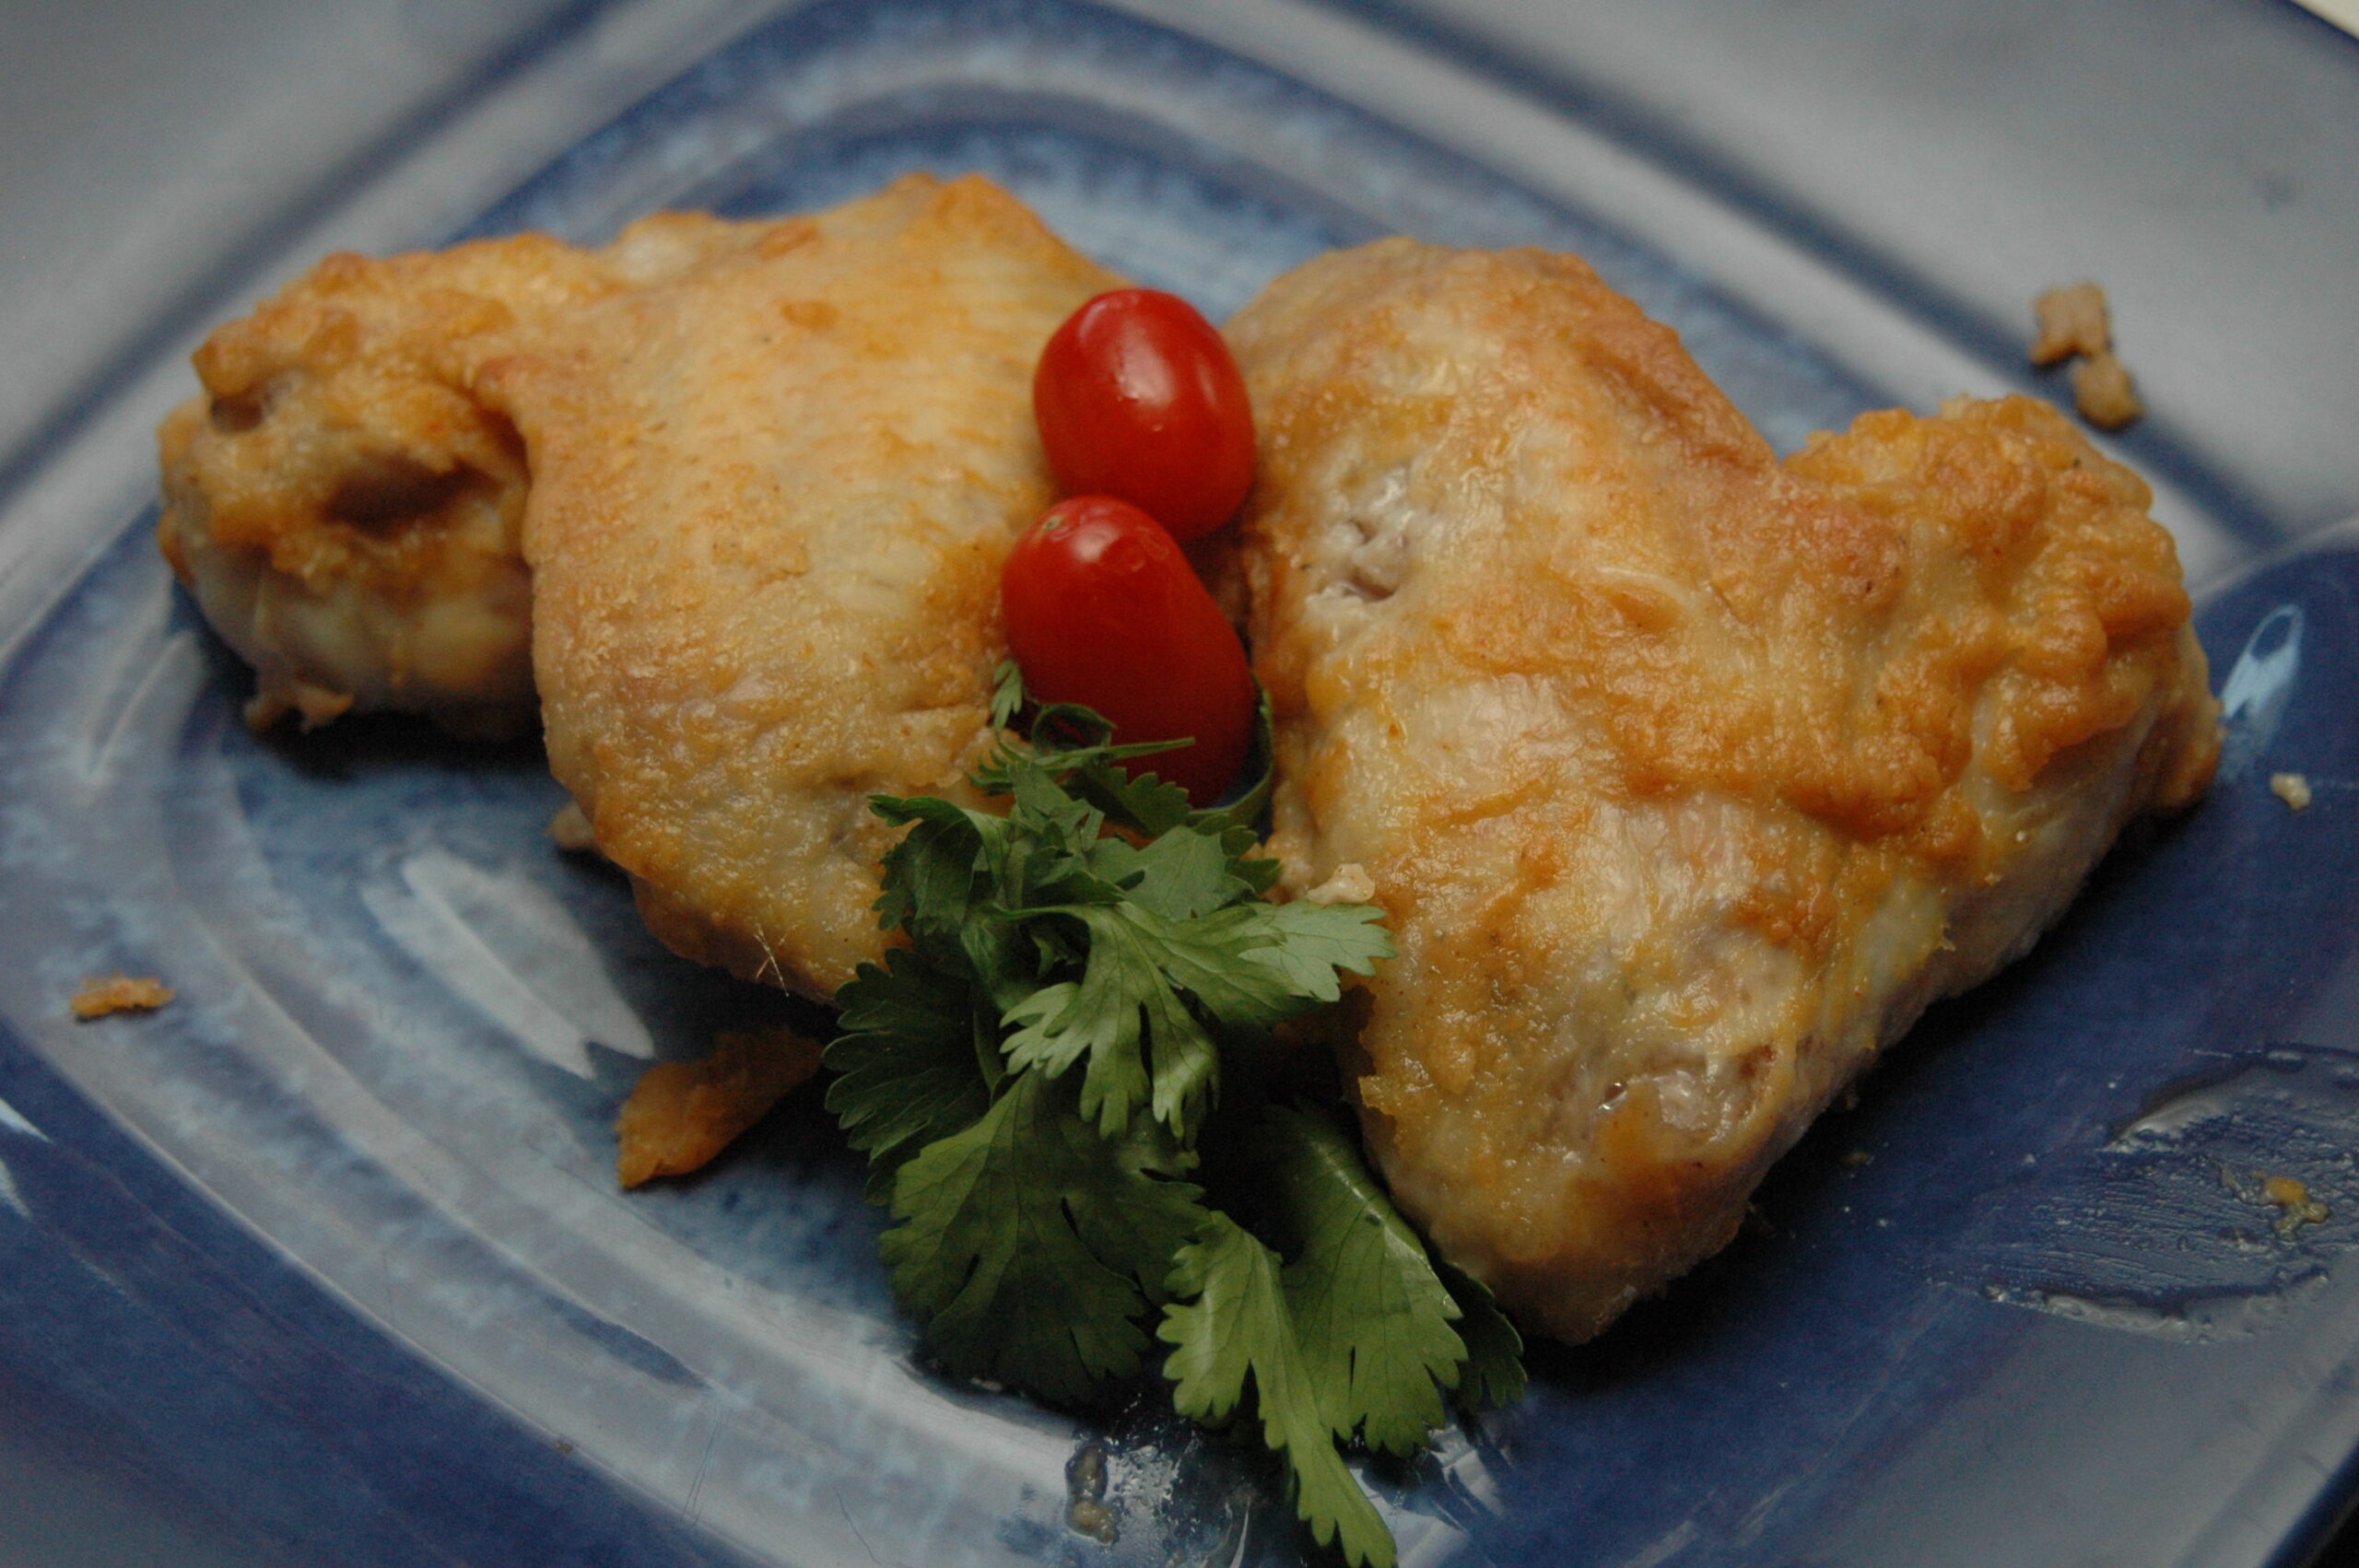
column 770, row 503
column 1688, row 777
column 345, row 508
column 732, row 496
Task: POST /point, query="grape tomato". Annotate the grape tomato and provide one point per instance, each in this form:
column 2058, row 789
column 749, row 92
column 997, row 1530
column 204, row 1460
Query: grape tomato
column 1138, row 397
column 1103, row 609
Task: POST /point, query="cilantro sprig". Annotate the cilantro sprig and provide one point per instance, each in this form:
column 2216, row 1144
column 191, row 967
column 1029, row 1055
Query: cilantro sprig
column 1058, row 1084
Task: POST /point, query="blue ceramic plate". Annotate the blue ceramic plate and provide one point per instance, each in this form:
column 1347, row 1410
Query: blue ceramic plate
column 324, row 1262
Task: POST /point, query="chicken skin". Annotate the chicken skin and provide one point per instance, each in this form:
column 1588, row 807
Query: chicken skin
column 732, row 498
column 1689, row 777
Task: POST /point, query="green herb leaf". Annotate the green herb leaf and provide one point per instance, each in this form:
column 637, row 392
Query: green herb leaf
column 1007, row 694
column 1142, row 1043
column 1247, row 963
column 1243, row 963
column 1237, row 1320
column 930, row 874
column 1029, row 1246
column 1372, row 1317
column 906, row 1067
column 1186, row 872
column 1492, row 1375
column 1260, row 762
column 1307, row 943
column 1352, row 1337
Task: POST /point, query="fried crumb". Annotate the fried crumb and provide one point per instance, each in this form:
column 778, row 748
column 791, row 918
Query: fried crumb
column 2293, row 788
column 2072, row 320
column 2101, row 390
column 1350, row 885
column 683, row 1113
column 1087, row 1513
column 103, row 994
column 569, row 830
column 2296, row 1207
column 316, row 704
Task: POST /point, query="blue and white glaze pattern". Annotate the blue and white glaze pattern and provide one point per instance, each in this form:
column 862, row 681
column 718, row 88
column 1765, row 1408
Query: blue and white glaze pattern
column 331, row 1243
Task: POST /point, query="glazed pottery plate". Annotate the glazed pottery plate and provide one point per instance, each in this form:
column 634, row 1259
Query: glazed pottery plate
column 324, row 1262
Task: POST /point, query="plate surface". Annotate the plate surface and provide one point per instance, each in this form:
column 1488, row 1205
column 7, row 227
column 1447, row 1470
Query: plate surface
column 323, row 1263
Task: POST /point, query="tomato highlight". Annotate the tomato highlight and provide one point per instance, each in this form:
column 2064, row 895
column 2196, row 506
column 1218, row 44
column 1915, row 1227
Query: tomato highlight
column 1102, row 608
column 1137, row 397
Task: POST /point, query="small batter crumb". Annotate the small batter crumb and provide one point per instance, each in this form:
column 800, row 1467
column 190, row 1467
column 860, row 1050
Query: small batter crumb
column 569, row 830
column 2293, row 788
column 2292, row 1198
column 1086, row 1512
column 103, row 994
column 2101, row 390
column 683, row 1113
column 317, row 705
column 1350, row 885
column 2072, row 321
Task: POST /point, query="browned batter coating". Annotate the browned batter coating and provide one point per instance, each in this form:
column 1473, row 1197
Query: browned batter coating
column 1688, row 777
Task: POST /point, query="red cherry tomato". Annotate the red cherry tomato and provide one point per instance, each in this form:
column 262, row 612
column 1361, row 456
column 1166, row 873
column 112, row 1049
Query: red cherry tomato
column 1102, row 608
column 1137, row 397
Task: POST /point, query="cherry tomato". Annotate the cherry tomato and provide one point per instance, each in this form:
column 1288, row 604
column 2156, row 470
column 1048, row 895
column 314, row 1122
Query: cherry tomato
column 1102, row 608
column 1137, row 397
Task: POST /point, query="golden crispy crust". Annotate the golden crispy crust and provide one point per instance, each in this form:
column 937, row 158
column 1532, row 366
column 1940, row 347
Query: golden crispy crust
column 1688, row 777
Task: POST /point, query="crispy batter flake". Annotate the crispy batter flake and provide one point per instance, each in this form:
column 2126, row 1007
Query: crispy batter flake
column 2072, row 321
column 684, row 1113
column 2101, row 390
column 103, row 994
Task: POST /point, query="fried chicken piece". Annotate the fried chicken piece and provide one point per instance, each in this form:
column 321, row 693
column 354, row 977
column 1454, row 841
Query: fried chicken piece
column 732, row 497
column 1688, row 778
column 345, row 508
column 770, row 497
